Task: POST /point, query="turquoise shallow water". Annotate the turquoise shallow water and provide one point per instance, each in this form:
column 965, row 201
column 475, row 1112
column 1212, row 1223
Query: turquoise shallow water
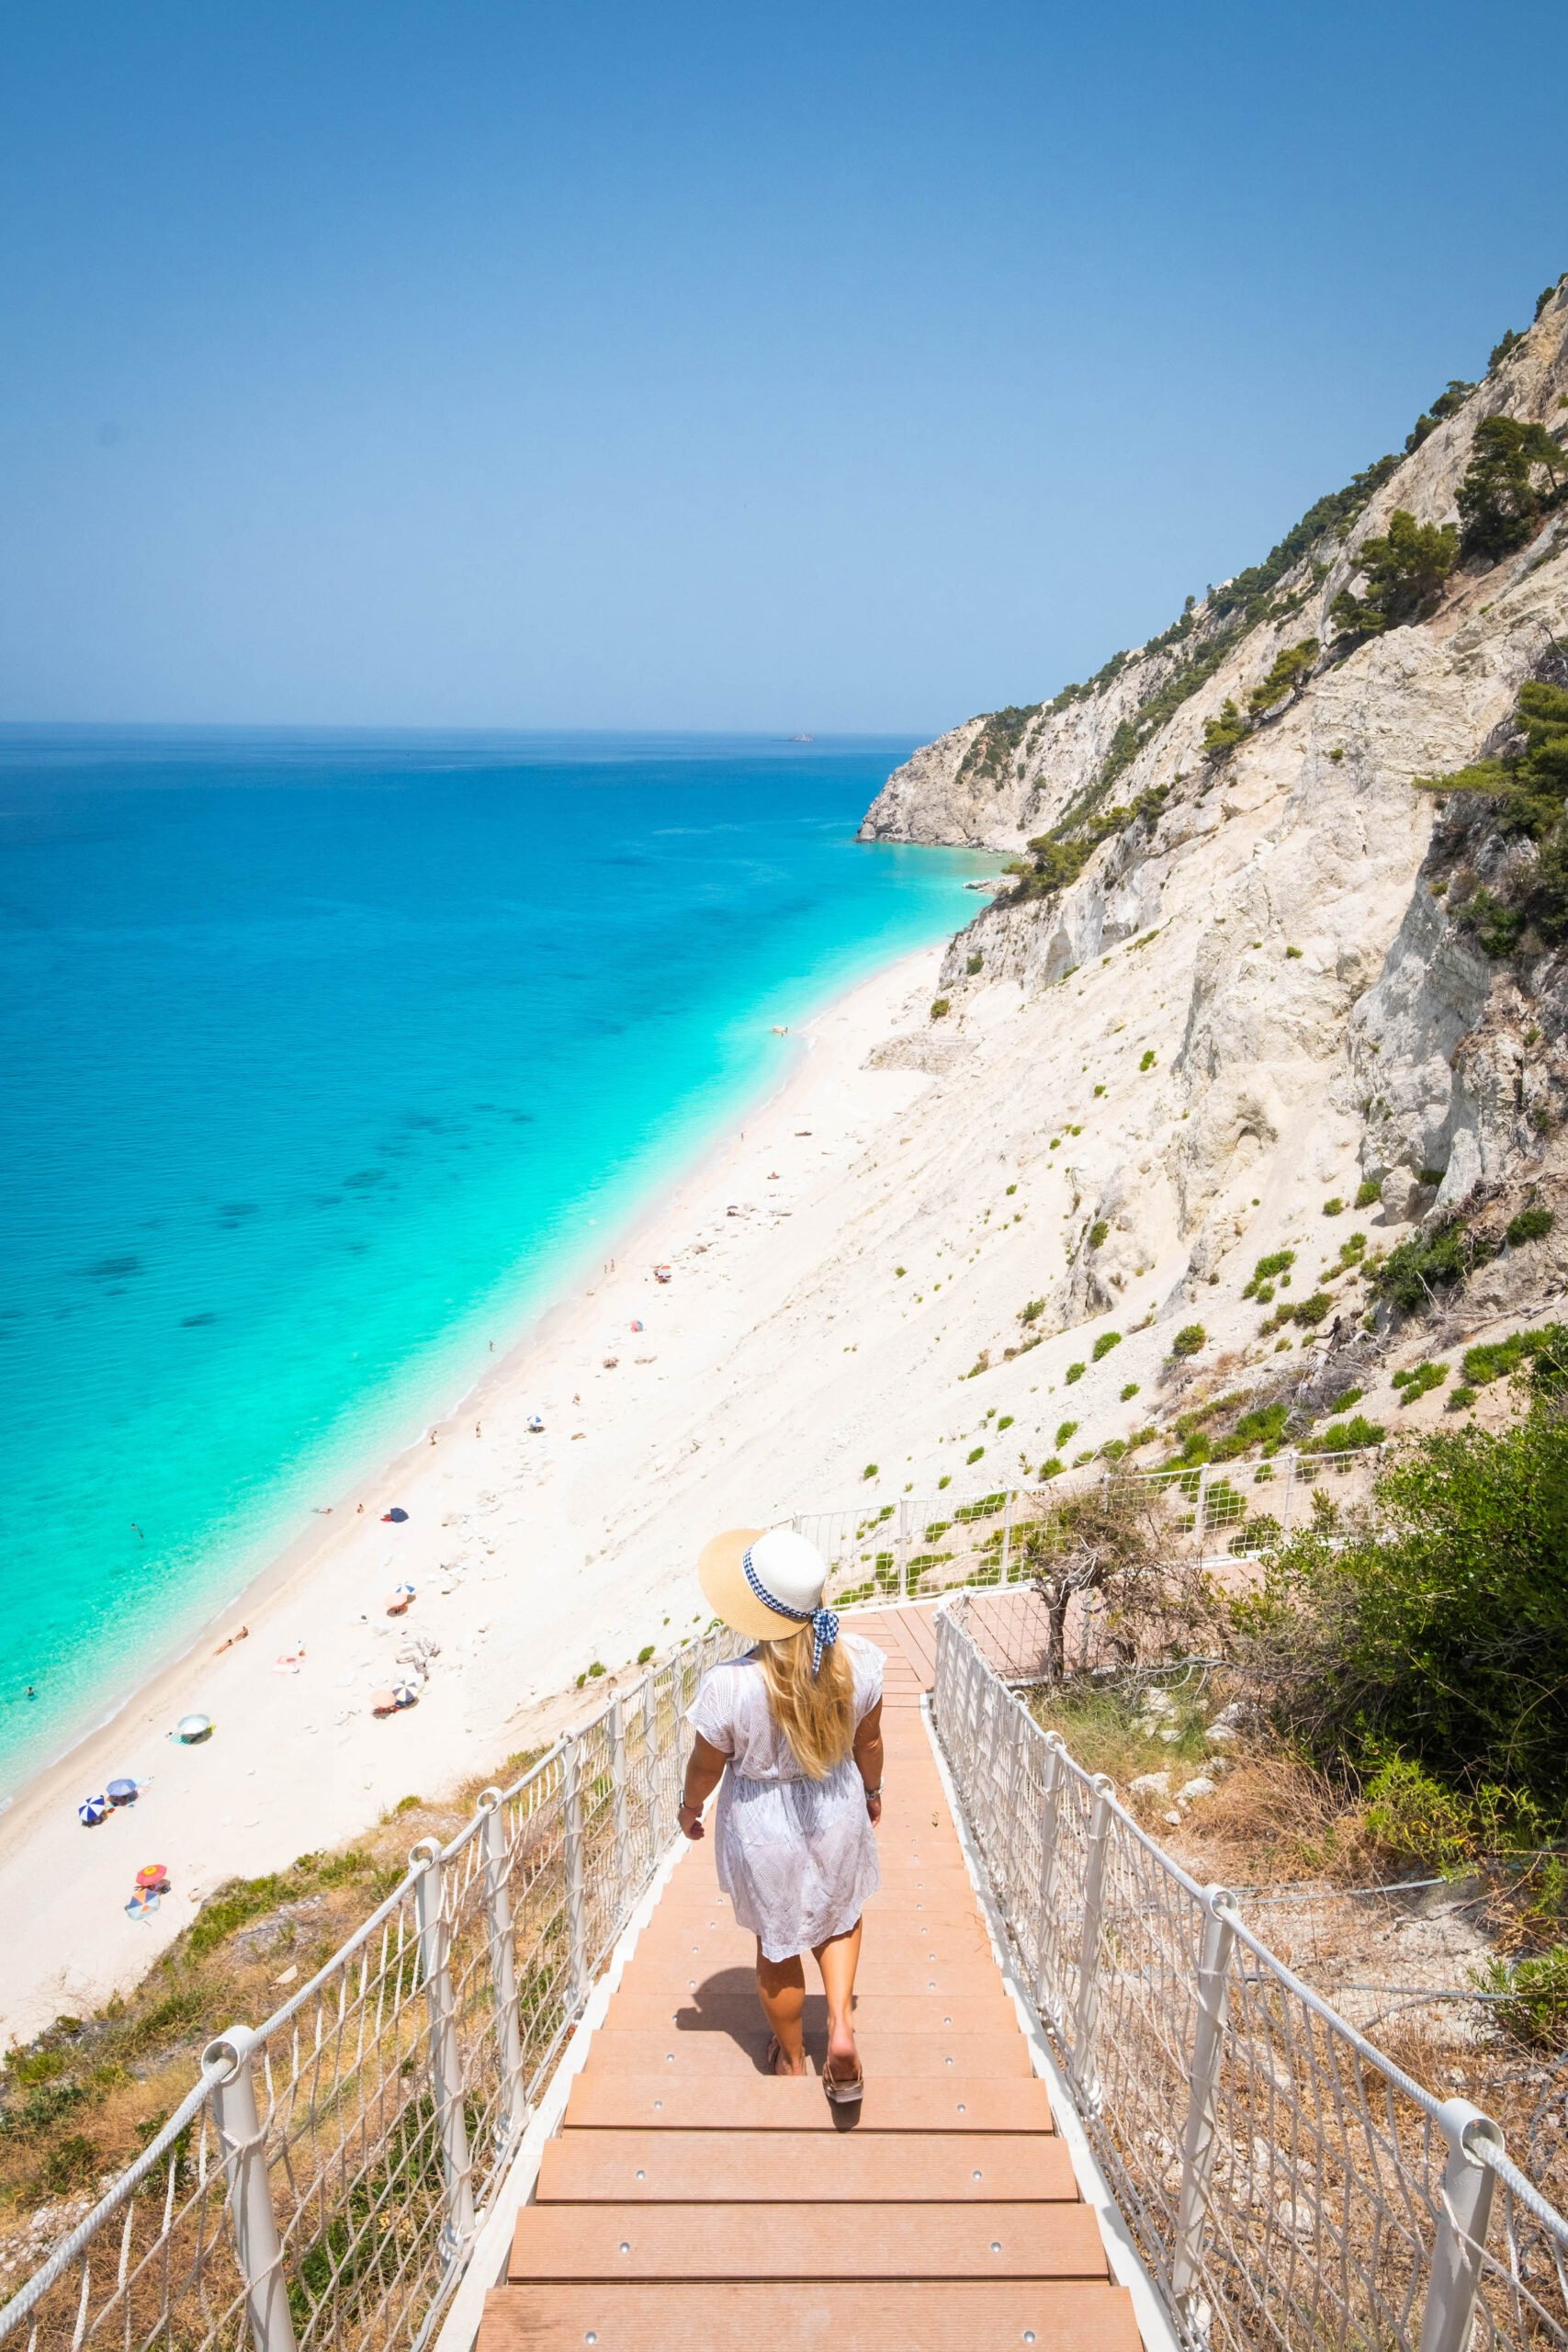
column 328, row 1059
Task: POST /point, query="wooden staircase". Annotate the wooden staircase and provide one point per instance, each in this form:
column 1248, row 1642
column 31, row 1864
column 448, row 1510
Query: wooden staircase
column 689, row 2201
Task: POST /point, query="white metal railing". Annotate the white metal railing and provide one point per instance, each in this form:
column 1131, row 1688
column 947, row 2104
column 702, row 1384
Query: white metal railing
column 1286, row 2182
column 1211, row 1512
column 322, row 2181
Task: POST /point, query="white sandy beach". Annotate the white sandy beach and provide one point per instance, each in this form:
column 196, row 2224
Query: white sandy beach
column 533, row 1555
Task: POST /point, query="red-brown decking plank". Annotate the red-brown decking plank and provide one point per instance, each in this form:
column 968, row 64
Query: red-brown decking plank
column 1057, row 2315
column 964, row 1973
column 788, row 2168
column 961, row 2056
column 671, row 2102
column 732, row 2008
column 728, row 2241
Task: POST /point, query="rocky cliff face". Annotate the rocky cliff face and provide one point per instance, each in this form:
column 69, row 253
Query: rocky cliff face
column 1268, row 921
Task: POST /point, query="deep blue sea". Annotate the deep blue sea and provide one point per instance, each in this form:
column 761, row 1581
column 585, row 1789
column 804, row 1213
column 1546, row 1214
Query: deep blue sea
column 328, row 1059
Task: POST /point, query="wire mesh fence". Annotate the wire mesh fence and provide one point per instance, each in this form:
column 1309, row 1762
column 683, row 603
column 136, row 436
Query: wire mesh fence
column 1211, row 1512
column 1286, row 2182
column 322, row 2181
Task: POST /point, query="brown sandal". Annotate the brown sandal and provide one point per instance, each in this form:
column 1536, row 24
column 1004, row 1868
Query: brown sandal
column 770, row 2059
column 845, row 2090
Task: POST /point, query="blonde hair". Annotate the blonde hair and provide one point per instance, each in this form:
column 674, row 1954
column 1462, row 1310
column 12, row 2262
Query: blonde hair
column 815, row 1713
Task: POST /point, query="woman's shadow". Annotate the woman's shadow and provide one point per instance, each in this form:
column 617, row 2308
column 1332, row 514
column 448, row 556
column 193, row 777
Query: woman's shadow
column 726, row 2003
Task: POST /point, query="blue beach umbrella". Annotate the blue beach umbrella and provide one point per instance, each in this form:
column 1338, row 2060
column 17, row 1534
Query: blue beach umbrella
column 91, row 1811
column 122, row 1792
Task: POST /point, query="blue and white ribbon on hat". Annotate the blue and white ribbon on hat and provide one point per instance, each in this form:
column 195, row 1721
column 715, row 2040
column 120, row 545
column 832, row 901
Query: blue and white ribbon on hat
column 824, row 1622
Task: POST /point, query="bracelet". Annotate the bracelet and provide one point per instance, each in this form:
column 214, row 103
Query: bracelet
column 686, row 1806
column 876, row 1791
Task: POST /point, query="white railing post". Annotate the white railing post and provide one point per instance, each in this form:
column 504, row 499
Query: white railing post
column 1200, row 1513
column 1050, row 1835
column 1289, row 1490
column 257, row 2246
column 652, row 1765
column 571, row 1843
column 618, row 1803
column 1198, row 2139
column 1089, row 1949
column 445, row 2059
column 1007, row 1534
column 513, row 2116
column 1468, row 2184
column 903, row 1548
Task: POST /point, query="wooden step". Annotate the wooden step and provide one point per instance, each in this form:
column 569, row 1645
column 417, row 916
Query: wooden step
column 1060, row 2315
column 965, row 1970
column 782, row 2168
column 670, row 2102
column 961, row 2056
column 730, row 2241
column 735, row 2009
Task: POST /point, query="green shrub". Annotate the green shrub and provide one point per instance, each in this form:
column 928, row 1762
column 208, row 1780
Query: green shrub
column 1500, row 499
column 1032, row 1312
column 870, row 1470
column 1005, row 1423
column 1098, row 1232
column 1531, row 1225
column 645, row 1654
column 1277, row 1262
column 1347, row 1437
column 1189, row 1340
column 1535, row 2010
column 1404, row 571
column 1286, row 672
column 940, row 1007
column 1462, row 1397
column 1420, row 1380
column 1148, row 1060
column 1427, row 1261
column 1129, row 1392
column 974, row 965
column 997, row 746
column 1223, row 733
column 1104, row 1345
column 1064, row 1429
column 1368, row 1191
column 1053, row 1468
column 975, row 1453
column 1074, row 1372
column 1439, row 1631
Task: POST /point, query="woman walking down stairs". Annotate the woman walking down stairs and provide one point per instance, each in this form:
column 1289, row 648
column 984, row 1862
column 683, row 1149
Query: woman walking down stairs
column 690, row 2201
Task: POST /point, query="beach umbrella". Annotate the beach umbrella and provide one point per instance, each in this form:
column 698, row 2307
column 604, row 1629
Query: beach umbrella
column 122, row 1792
column 91, row 1811
column 142, row 1903
column 383, row 1703
column 153, row 1874
column 192, row 1728
column 397, row 1515
column 637, row 1323
column 405, row 1690
column 406, row 1590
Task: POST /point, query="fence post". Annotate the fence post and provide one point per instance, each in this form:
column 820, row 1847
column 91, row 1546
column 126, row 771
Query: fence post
column 1089, row 1950
column 1050, row 1831
column 902, row 1544
column 1200, row 1515
column 1466, row 2188
column 503, row 1968
column 618, row 1801
column 571, row 1842
column 650, row 1765
column 1208, row 2050
column 1007, row 1534
column 256, row 2242
column 445, row 2059
column 1289, row 1490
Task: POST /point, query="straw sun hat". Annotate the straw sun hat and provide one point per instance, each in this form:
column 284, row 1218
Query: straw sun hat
column 767, row 1583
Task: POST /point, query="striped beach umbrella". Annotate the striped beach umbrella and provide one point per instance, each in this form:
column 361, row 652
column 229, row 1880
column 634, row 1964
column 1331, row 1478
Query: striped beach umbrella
column 91, row 1811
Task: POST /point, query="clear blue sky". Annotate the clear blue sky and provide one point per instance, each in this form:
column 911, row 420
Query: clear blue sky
column 840, row 367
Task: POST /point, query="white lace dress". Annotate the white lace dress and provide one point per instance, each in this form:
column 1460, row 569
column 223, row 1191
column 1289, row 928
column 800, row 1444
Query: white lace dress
column 797, row 1858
